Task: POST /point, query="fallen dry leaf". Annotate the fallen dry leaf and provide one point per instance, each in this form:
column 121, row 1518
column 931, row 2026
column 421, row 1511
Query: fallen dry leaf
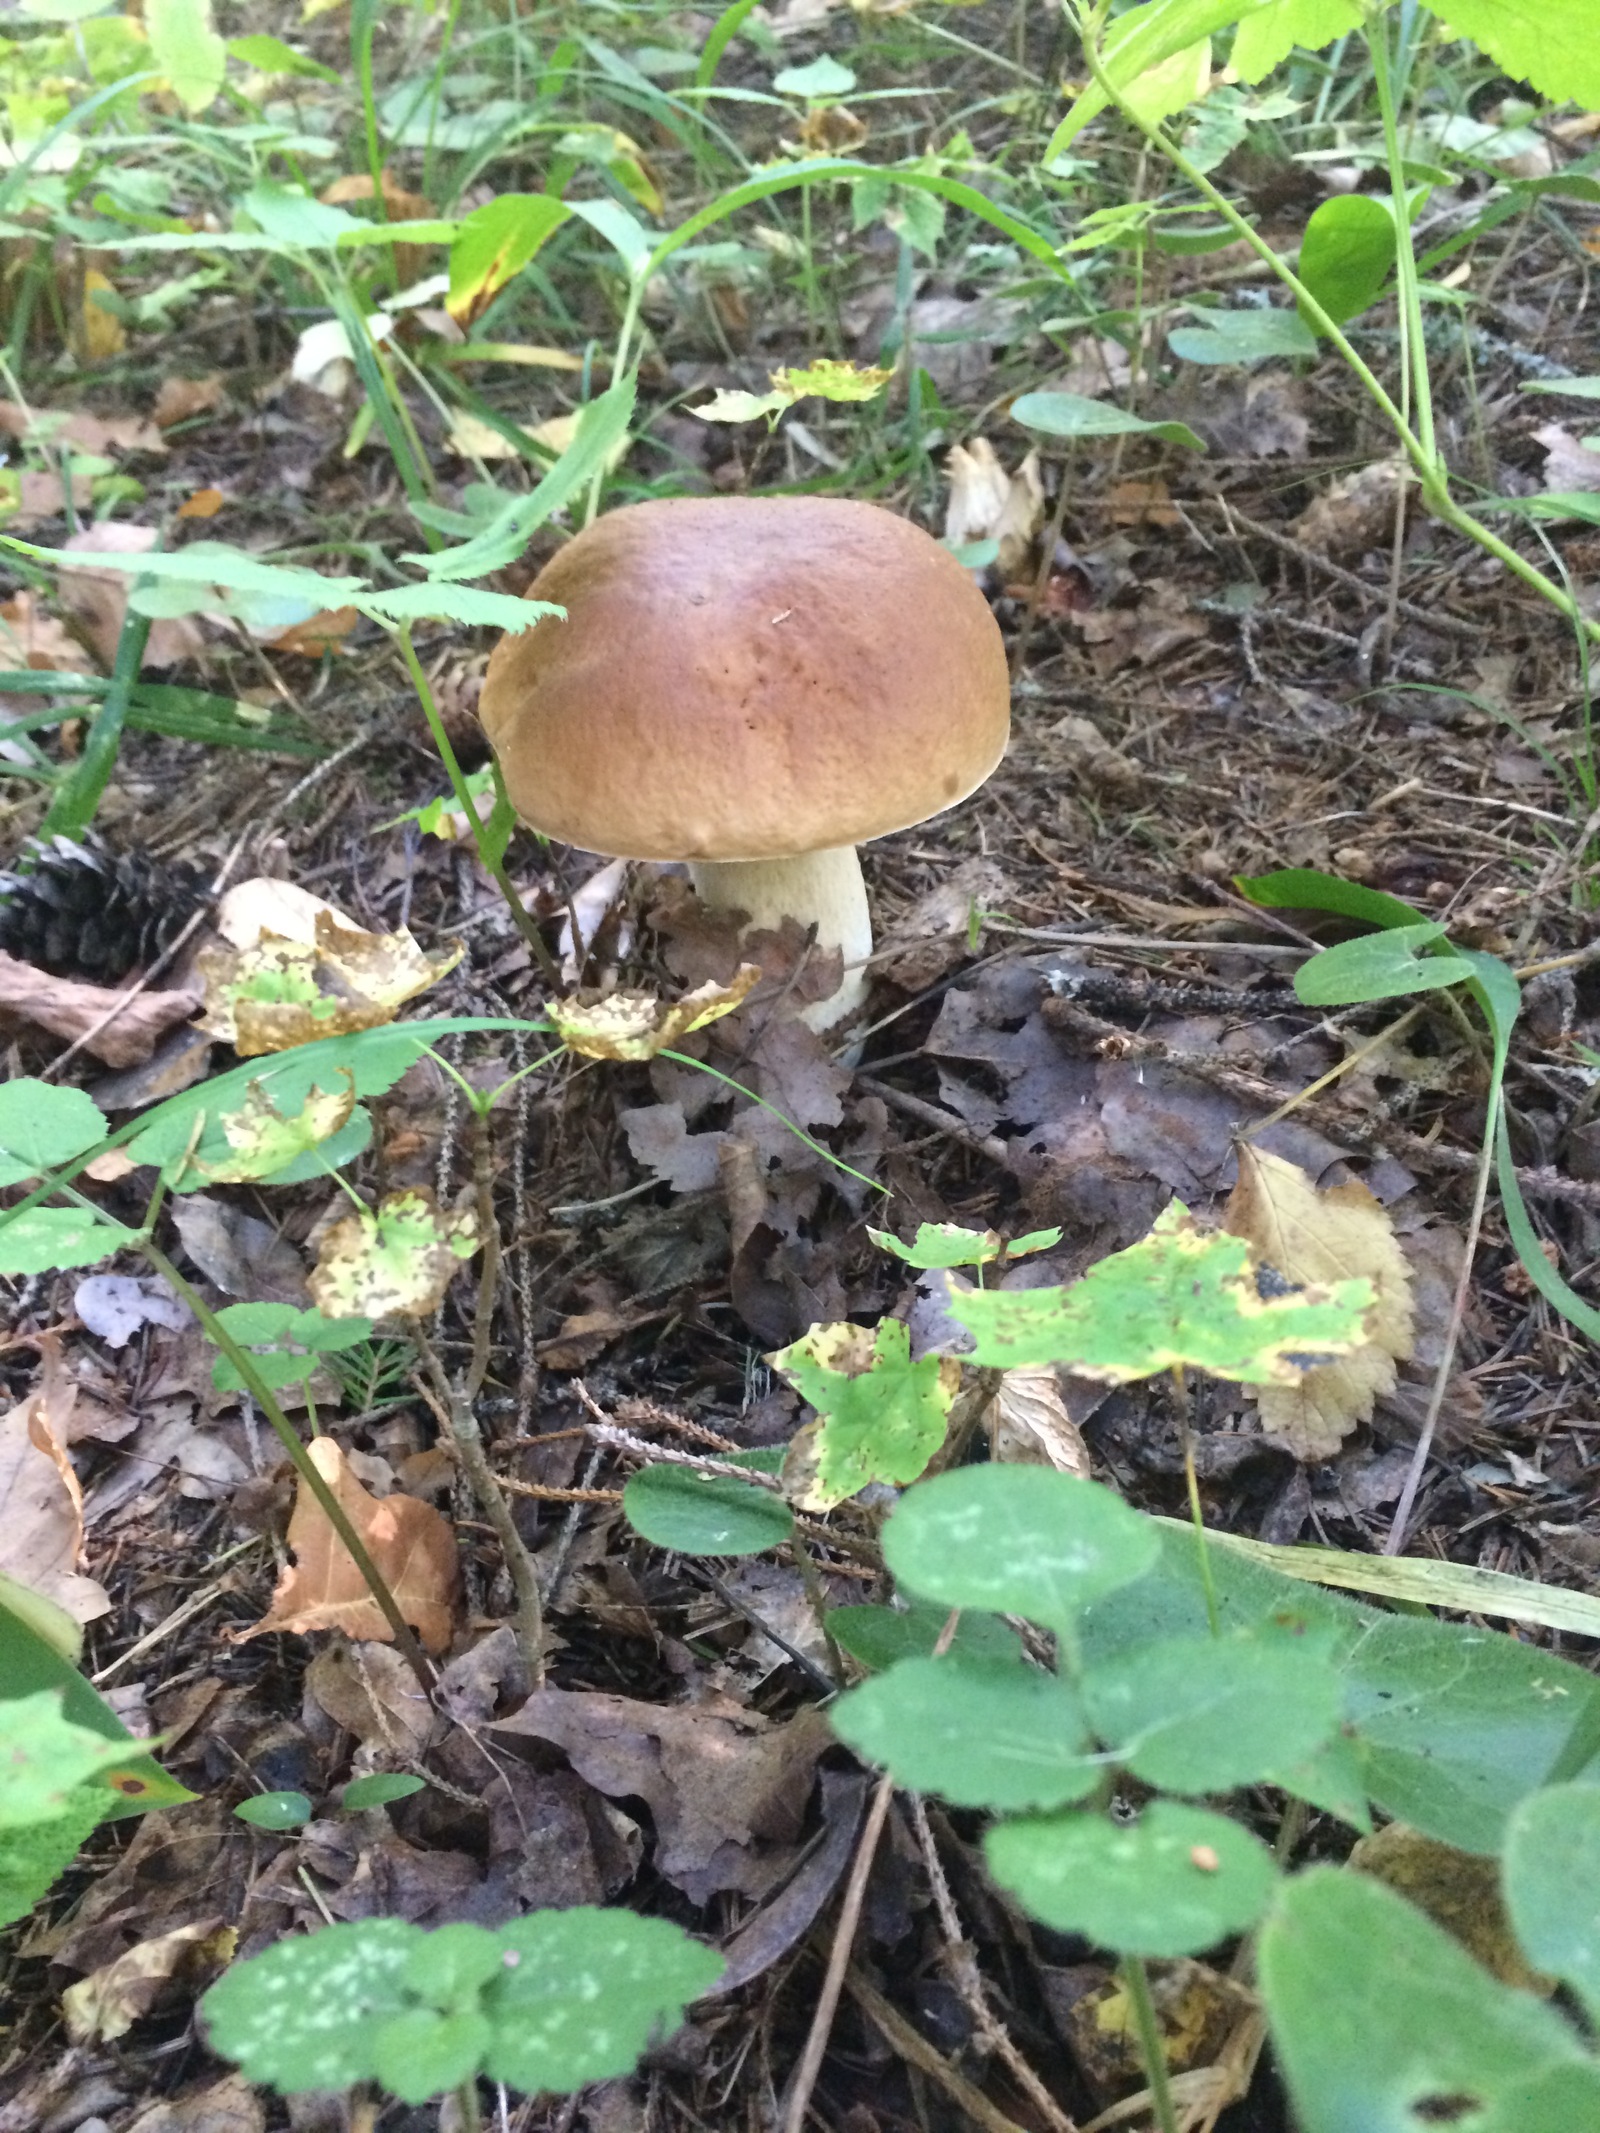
column 1355, row 513
column 280, row 992
column 41, row 1532
column 98, row 332
column 65, row 1008
column 411, row 1545
column 1457, row 1890
column 228, row 2106
column 988, row 504
column 181, row 399
column 40, row 493
column 1029, row 1423
column 32, row 638
column 264, row 904
column 637, row 1025
column 370, row 1691
column 99, row 597
column 95, row 434
column 1308, row 1237
column 205, row 503
column 325, row 631
column 726, row 1789
column 394, row 1260
column 106, row 2004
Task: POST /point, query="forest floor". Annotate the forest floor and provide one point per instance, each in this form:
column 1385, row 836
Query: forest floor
column 1224, row 663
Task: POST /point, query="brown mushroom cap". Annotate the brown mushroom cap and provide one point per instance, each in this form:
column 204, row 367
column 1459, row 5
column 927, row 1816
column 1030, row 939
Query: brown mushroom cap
column 747, row 678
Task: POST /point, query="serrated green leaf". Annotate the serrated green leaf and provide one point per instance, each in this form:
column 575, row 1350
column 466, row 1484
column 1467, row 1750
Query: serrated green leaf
column 1175, row 1882
column 35, row 1857
column 1266, row 38
column 287, row 1344
column 704, row 1514
column 979, row 1733
column 1016, row 1540
column 185, row 46
column 45, row 1757
column 1204, row 1714
column 1182, row 1296
column 445, row 601
column 588, row 1990
column 1376, row 2013
column 43, row 1126
column 43, row 1238
column 881, row 1416
column 941, row 1244
column 1550, row 44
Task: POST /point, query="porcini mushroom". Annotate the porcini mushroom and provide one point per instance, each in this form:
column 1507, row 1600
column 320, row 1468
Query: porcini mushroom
column 755, row 685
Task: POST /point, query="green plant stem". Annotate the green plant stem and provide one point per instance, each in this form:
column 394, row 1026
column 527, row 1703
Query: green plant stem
column 467, row 2104
column 245, row 1363
column 1137, row 1980
column 363, row 22
column 1413, row 345
column 1196, row 1513
column 493, row 864
column 1431, row 476
column 75, row 803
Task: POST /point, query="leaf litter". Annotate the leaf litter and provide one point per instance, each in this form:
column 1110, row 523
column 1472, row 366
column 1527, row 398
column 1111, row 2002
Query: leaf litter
column 1177, row 724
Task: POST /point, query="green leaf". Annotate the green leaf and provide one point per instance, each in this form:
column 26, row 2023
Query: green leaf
column 625, row 234
column 32, row 1858
column 1379, row 966
column 270, row 55
column 378, row 1790
column 1384, row 2024
column 1075, row 415
column 44, row 1757
column 1304, row 889
column 1456, row 1726
column 1550, row 44
column 42, row 1126
column 981, row 1734
column 275, row 1810
column 1138, row 46
column 1175, row 1882
column 1552, row 1871
column 878, row 1636
column 423, row 2052
column 704, row 1514
column 881, row 1416
column 1266, row 38
column 941, row 1244
column 290, row 215
column 1243, row 337
column 1347, row 254
column 495, row 242
column 1203, row 1714
column 1569, row 388
column 602, row 425
column 304, row 2014
column 214, row 565
column 185, row 46
column 444, row 601
column 45, row 1238
column 821, row 79
column 582, row 1992
column 1016, row 1540
column 1179, row 1296
column 287, row 1344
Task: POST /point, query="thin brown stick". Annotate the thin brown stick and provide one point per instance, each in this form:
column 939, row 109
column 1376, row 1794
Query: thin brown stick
column 918, row 2052
column 805, row 2074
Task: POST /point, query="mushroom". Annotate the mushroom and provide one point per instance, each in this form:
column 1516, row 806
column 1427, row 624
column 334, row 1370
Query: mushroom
column 754, row 685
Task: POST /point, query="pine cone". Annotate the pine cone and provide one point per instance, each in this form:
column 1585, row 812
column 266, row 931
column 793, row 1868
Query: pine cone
column 84, row 911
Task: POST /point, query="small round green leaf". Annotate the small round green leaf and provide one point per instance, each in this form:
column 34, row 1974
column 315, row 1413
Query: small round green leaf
column 422, row 2052
column 42, row 1126
column 1004, row 1736
column 1016, row 1540
column 378, row 1790
column 1201, row 1715
column 1347, row 253
column 1552, row 1875
column 878, row 1636
column 275, row 1810
column 580, row 1994
column 1175, row 1882
column 704, row 1514
column 305, row 2013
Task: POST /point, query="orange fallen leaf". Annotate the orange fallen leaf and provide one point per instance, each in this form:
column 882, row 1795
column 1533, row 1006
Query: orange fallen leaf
column 205, row 503
column 98, row 434
column 322, row 632
column 411, row 1545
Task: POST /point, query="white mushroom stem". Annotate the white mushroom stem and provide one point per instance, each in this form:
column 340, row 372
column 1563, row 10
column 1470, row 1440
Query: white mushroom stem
column 820, row 889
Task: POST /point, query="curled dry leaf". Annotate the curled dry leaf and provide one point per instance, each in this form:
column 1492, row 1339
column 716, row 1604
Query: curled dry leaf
column 1312, row 1237
column 181, row 399
column 41, row 1534
column 106, row 2004
column 988, row 504
column 64, row 1008
column 394, row 1260
column 636, row 1025
column 411, row 1545
column 1029, row 1422
column 280, row 992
